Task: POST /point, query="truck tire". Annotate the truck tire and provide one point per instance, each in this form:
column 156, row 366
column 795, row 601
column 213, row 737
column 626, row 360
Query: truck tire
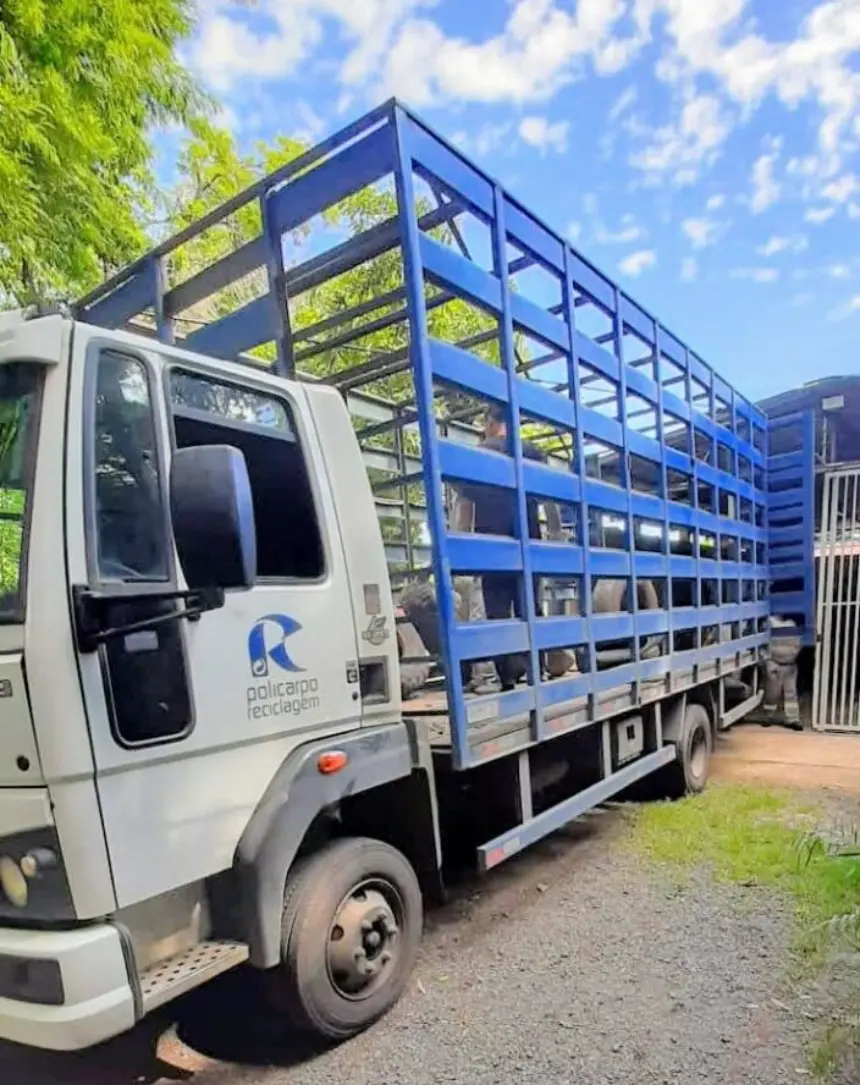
column 688, row 773
column 352, row 923
column 611, row 597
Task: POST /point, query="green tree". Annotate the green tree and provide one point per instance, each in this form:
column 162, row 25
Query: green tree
column 81, row 82
column 210, row 170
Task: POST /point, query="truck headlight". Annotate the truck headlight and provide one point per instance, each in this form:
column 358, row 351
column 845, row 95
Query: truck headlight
column 13, row 883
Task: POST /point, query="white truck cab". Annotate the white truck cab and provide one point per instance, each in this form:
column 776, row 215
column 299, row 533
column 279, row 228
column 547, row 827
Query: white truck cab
column 185, row 629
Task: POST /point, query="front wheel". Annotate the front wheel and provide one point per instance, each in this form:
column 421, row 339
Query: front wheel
column 351, row 929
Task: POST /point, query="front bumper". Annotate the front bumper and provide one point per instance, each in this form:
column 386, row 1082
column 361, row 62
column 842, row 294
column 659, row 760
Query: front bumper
column 64, row 990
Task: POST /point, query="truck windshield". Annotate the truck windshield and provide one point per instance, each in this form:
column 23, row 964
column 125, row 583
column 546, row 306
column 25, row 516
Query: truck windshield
column 20, row 387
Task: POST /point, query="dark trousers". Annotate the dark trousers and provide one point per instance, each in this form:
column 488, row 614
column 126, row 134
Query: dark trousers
column 501, row 598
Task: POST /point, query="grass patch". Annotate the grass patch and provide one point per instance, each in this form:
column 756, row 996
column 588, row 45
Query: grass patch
column 753, row 837
column 756, row 837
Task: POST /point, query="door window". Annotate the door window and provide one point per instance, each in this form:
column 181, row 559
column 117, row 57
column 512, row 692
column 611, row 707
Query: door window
column 262, row 427
column 146, row 682
column 131, row 533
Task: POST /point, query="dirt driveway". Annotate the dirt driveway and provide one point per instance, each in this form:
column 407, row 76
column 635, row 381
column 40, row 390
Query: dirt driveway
column 776, row 757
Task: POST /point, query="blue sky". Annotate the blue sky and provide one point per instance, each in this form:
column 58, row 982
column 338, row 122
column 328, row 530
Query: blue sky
column 702, row 152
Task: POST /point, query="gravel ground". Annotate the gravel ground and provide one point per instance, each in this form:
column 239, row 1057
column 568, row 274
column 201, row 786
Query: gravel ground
column 571, row 963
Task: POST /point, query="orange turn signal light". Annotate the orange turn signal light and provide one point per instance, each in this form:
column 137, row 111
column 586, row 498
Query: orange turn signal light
column 331, row 761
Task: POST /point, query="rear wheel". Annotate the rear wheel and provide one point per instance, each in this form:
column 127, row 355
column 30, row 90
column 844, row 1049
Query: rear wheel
column 688, row 773
column 351, row 929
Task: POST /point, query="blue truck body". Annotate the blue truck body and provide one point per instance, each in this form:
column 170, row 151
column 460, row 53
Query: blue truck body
column 653, row 437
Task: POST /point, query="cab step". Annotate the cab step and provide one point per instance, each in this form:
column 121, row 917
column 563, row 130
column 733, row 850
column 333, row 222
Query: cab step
column 176, row 975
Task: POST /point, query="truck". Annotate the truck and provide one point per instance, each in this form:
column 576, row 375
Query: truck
column 267, row 678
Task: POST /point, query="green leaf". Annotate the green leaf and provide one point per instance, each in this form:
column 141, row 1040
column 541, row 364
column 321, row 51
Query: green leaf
column 81, row 85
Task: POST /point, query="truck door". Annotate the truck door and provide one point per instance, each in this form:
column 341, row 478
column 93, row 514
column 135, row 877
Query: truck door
column 191, row 719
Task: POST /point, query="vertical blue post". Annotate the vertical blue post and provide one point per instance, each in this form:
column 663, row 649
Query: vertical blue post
column 691, row 452
column 688, row 394
column 808, row 468
column 711, row 413
column 766, row 521
column 500, row 261
column 733, row 418
column 715, row 453
column 163, row 322
column 664, row 494
column 285, row 365
column 586, row 607
column 419, row 350
column 736, row 515
column 627, row 478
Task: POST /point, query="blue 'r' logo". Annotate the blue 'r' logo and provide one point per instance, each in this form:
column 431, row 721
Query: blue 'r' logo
column 259, row 655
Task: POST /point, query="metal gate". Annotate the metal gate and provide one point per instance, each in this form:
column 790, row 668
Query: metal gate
column 836, row 689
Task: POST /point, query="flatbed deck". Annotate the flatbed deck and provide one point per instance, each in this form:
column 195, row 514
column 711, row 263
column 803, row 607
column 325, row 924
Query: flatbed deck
column 491, row 733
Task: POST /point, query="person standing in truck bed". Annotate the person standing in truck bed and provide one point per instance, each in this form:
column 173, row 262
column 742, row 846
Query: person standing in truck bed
column 488, row 510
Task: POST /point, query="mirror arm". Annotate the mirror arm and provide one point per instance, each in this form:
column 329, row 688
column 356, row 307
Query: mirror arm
column 89, row 610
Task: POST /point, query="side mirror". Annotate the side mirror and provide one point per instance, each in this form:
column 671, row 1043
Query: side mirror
column 212, row 512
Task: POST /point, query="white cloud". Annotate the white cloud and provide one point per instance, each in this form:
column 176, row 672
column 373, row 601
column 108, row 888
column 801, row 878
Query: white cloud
column 623, row 104
column 766, row 189
column 680, row 149
column 718, row 40
column 777, row 244
column 226, row 117
column 701, row 232
column 818, row 215
column 839, row 271
column 841, row 190
column 228, row 51
column 803, row 166
column 800, row 300
column 718, row 64
column 536, row 52
column 637, row 262
column 848, row 308
column 311, row 125
column 488, row 139
column 628, row 232
column 689, row 269
column 756, row 274
column 543, row 134
column 574, row 230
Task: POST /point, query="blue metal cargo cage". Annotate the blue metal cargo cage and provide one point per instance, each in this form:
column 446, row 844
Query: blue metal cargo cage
column 386, row 264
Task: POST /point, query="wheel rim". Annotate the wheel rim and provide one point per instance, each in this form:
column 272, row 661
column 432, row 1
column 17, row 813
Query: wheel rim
column 699, row 753
column 364, row 939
